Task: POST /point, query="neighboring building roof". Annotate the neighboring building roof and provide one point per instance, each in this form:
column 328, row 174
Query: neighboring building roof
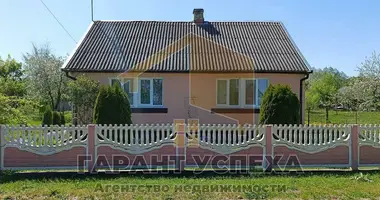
column 120, row 46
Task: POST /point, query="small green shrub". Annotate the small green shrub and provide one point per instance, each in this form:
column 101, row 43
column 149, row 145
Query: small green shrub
column 48, row 117
column 112, row 106
column 63, row 120
column 56, row 118
column 280, row 106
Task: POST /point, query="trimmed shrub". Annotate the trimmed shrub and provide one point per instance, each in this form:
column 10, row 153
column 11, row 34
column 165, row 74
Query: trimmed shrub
column 279, row 106
column 63, row 120
column 112, row 106
column 48, row 117
column 56, row 118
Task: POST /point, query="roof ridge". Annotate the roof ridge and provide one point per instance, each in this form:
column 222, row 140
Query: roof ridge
column 248, row 21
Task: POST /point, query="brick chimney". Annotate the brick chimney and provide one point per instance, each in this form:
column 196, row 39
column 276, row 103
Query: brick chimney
column 198, row 16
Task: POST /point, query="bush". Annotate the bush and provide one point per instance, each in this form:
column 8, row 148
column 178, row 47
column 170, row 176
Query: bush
column 112, row 106
column 48, row 117
column 280, row 106
column 63, row 120
column 56, row 118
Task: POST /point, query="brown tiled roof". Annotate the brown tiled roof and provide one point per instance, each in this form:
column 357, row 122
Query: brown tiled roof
column 119, row 46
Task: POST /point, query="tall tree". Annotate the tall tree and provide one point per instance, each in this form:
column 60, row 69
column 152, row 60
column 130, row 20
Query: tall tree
column 318, row 73
column 46, row 81
column 369, row 76
column 323, row 91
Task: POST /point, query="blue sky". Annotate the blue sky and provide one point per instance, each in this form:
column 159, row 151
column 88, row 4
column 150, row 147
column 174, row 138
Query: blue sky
column 337, row 33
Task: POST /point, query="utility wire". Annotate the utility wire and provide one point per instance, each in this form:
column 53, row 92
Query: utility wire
column 58, row 21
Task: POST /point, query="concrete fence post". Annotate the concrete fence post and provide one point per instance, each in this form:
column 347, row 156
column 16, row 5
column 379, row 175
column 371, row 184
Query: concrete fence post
column 268, row 154
column 354, row 147
column 179, row 129
column 91, row 154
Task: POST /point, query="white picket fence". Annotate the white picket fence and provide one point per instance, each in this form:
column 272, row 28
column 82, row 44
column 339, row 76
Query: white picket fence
column 311, row 139
column 43, row 140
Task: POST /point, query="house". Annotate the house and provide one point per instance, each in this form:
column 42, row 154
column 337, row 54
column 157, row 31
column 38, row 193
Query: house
column 216, row 72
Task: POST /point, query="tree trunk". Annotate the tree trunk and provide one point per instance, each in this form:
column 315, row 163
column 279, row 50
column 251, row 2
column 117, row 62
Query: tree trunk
column 356, row 117
column 58, row 101
column 327, row 114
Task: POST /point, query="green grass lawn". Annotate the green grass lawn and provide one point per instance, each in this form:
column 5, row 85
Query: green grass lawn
column 37, row 120
column 310, row 185
column 343, row 117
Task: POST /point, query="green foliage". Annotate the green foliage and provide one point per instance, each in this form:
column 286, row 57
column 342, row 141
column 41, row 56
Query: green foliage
column 12, row 88
column 48, row 117
column 11, row 78
column 324, row 89
column 318, row 73
column 56, row 118
column 10, row 69
column 63, row 120
column 82, row 94
column 14, row 110
column 112, row 106
column 280, row 106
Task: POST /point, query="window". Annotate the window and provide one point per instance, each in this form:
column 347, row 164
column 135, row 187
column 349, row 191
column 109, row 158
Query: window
column 222, row 92
column 228, row 92
column 128, row 88
column 149, row 92
column 250, row 92
column 262, row 86
column 240, row 92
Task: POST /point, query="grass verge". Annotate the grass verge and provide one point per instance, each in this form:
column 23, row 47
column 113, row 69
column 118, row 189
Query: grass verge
column 342, row 117
column 309, row 185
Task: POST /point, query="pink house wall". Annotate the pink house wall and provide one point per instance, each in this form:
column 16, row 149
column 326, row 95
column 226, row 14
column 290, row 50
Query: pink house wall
column 179, row 87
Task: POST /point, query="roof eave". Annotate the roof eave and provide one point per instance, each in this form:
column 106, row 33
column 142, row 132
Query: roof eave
column 158, row 71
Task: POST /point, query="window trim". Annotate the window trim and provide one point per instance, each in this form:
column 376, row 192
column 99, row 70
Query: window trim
column 242, row 94
column 137, row 94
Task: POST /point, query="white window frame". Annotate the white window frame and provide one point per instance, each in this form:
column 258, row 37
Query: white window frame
column 137, row 94
column 151, row 93
column 228, row 93
column 242, row 94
